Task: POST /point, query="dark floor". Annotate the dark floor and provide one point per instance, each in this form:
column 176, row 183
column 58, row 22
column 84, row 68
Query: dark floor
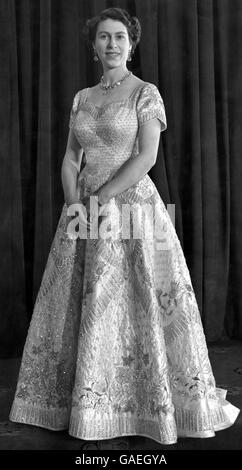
column 226, row 360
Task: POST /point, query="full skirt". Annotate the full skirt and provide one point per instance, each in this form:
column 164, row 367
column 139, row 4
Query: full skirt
column 116, row 345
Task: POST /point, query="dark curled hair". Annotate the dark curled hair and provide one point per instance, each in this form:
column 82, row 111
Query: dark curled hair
column 131, row 22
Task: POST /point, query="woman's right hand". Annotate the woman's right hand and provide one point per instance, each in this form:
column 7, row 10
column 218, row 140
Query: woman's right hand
column 68, row 220
column 86, row 217
column 103, row 211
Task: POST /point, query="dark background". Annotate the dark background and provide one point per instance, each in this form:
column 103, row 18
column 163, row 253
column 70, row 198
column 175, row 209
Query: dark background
column 192, row 50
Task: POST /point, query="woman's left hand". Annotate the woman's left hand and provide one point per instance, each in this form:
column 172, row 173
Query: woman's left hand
column 102, row 200
column 102, row 195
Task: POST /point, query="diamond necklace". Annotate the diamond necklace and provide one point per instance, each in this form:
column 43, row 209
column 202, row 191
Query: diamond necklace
column 108, row 88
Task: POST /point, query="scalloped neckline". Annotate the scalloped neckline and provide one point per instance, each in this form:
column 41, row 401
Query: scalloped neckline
column 104, row 105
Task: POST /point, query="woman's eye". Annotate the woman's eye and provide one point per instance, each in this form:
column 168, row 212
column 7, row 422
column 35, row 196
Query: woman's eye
column 104, row 36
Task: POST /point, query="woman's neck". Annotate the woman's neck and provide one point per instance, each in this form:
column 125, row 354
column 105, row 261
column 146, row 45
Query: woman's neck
column 113, row 75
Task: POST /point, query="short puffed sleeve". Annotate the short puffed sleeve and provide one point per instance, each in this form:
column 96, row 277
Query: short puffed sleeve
column 74, row 109
column 150, row 105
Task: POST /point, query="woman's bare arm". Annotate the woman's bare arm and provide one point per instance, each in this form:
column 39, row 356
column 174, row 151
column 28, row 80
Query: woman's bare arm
column 133, row 170
column 70, row 168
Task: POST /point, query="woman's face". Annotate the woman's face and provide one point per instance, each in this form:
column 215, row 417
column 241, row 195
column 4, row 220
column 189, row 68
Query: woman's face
column 112, row 43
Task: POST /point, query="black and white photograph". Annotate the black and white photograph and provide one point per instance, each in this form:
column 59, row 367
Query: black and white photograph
column 121, row 229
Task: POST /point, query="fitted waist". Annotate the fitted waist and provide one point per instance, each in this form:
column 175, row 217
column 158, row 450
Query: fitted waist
column 93, row 173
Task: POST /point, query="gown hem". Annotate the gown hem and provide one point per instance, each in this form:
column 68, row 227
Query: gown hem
column 84, row 429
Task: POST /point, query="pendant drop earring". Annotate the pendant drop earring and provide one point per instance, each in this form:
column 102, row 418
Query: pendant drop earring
column 95, row 57
column 129, row 56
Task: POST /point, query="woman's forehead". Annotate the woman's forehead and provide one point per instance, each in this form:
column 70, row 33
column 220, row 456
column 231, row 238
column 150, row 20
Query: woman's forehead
column 112, row 26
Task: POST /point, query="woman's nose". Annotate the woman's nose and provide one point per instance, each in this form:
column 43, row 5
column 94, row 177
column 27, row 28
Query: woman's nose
column 112, row 42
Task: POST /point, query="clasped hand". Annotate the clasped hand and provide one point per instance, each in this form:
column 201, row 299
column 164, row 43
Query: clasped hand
column 87, row 216
column 102, row 209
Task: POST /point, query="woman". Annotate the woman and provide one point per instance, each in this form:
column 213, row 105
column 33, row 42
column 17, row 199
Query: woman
column 116, row 346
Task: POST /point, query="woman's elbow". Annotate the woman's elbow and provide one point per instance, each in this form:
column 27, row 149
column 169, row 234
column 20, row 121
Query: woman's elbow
column 147, row 160
column 151, row 159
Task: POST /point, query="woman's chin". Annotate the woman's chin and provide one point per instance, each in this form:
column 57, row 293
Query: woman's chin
column 113, row 61
column 111, row 65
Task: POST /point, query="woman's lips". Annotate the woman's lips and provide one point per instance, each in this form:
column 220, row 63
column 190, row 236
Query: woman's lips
column 112, row 53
